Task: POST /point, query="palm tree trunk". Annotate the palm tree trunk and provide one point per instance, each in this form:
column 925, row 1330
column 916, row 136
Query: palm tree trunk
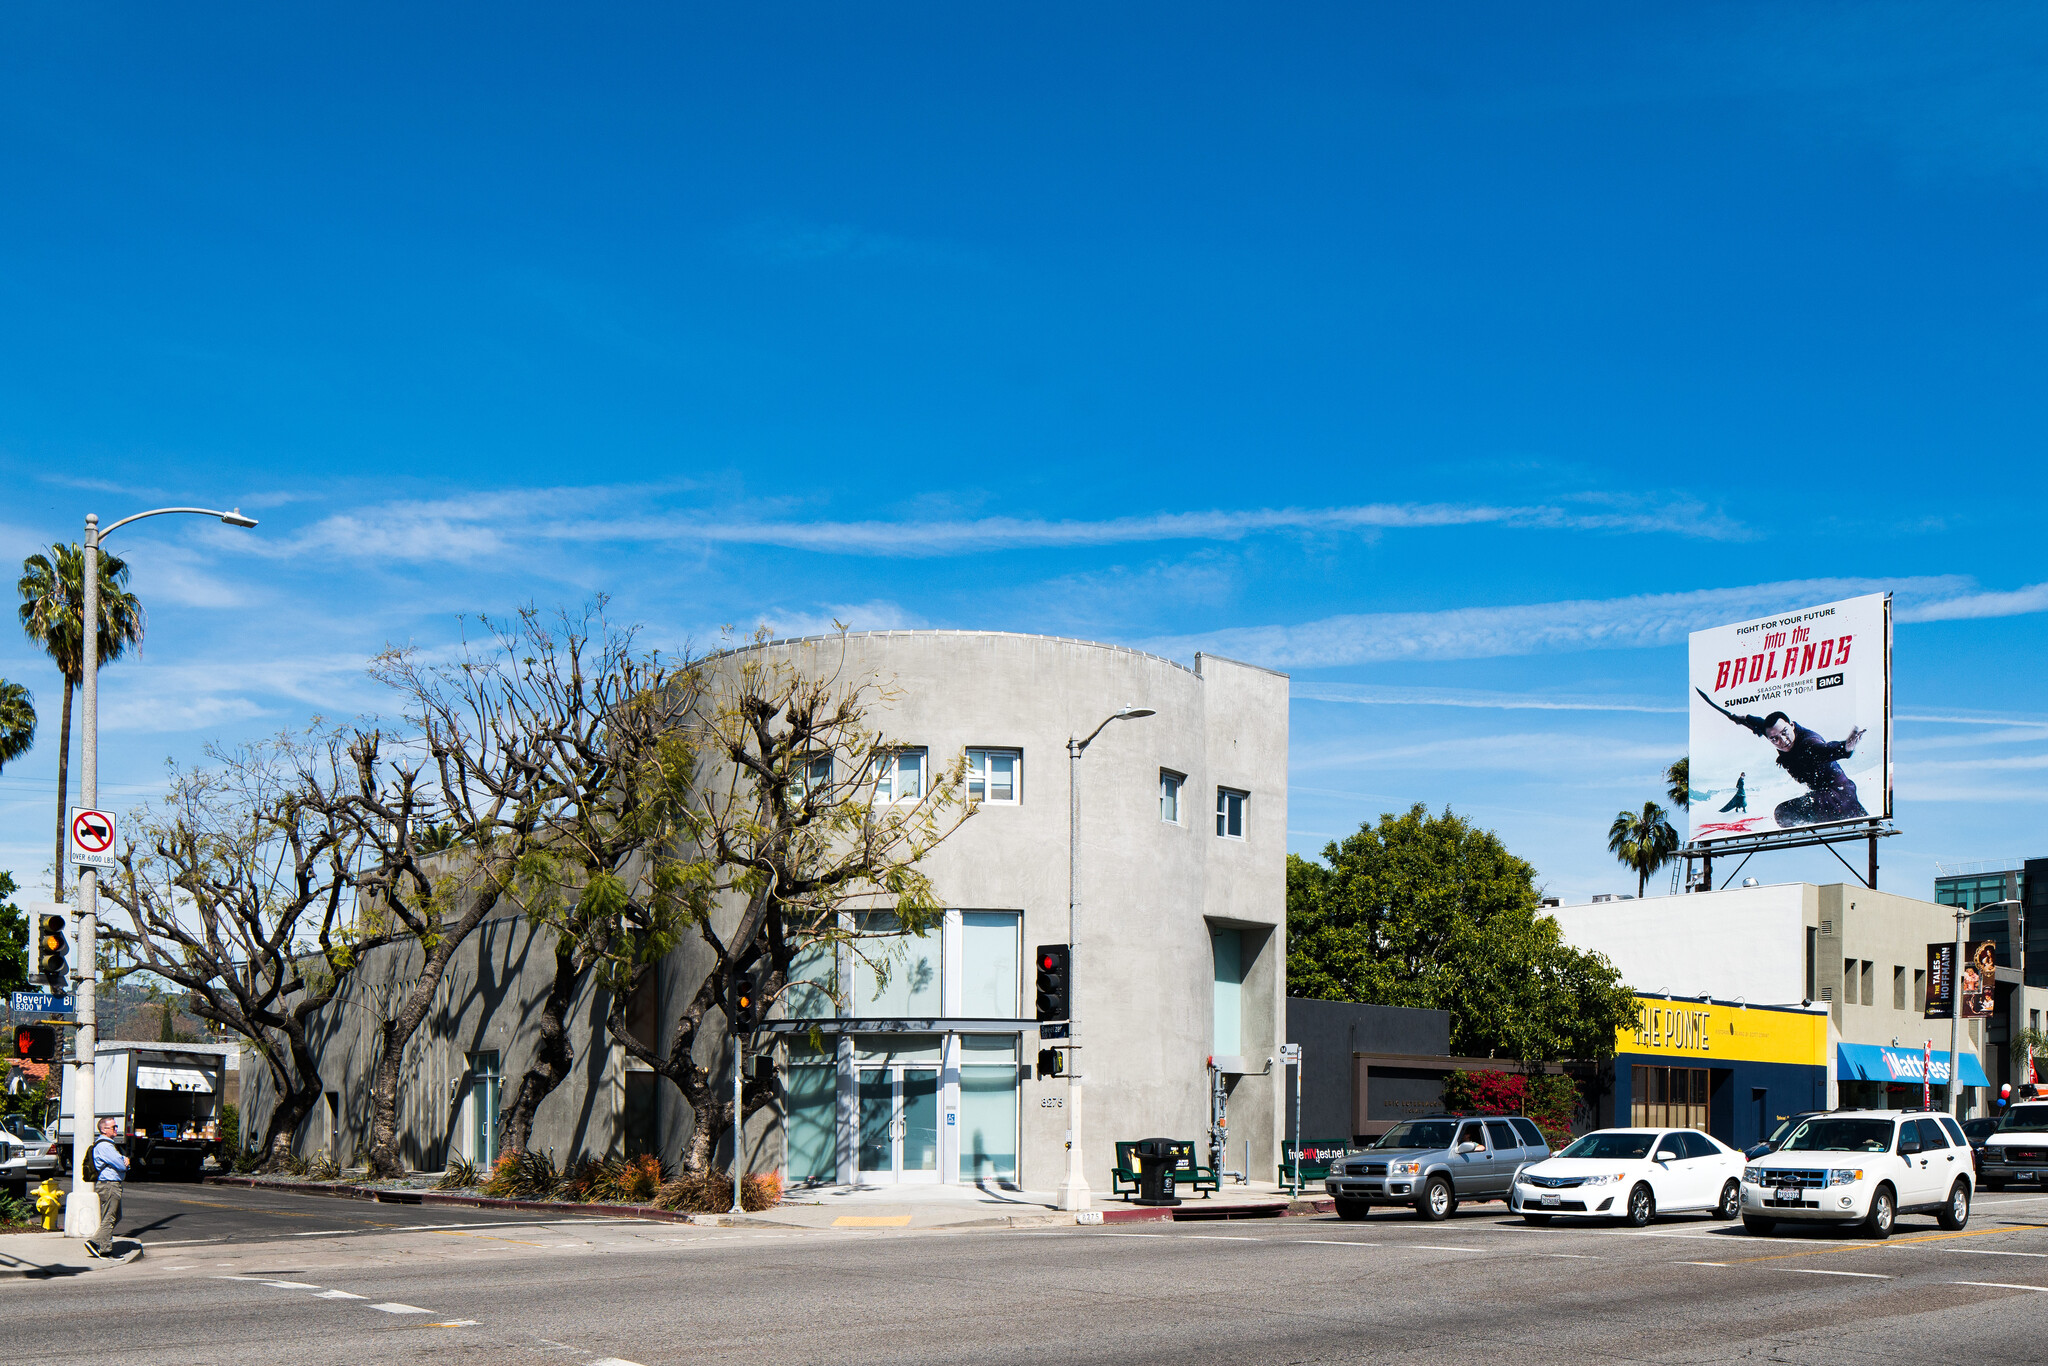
column 63, row 778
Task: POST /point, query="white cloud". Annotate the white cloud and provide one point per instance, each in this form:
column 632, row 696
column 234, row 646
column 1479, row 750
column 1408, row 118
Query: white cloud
column 1971, row 606
column 1372, row 694
column 1550, row 627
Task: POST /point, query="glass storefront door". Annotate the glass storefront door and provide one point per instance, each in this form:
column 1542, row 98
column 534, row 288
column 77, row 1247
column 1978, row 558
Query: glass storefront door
column 899, row 1123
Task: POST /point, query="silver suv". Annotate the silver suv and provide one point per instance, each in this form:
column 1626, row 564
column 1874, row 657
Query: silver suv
column 1433, row 1164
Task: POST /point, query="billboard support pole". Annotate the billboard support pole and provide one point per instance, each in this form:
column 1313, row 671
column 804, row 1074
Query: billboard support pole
column 1955, row 1015
column 1871, row 881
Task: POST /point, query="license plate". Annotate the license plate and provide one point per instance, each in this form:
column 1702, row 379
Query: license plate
column 1791, row 1193
column 1549, row 1197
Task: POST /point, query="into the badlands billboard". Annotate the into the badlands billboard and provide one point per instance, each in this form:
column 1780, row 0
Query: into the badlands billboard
column 1792, row 720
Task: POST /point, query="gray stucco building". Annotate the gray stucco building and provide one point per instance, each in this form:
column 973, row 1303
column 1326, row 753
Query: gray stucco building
column 1180, row 955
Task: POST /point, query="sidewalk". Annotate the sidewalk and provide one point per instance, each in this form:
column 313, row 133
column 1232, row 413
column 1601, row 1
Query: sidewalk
column 44, row 1256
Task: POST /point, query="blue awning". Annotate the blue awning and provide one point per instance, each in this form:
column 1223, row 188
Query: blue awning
column 1875, row 1062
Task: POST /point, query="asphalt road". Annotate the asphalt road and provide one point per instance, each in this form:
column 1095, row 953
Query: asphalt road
column 1480, row 1287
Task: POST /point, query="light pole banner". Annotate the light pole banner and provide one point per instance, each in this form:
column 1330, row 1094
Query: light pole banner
column 1791, row 720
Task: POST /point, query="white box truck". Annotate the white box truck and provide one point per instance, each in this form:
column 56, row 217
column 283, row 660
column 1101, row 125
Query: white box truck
column 166, row 1099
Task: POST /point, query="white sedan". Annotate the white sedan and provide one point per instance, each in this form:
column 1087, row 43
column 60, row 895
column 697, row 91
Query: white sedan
column 1633, row 1175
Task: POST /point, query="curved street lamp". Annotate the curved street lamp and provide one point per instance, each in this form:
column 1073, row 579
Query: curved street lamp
column 81, row 1206
column 1074, row 1192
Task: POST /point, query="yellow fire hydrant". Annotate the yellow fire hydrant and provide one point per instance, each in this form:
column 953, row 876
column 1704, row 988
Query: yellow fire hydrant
column 49, row 1203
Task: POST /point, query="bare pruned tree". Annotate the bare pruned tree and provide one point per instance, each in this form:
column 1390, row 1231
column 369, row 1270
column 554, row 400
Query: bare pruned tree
column 473, row 802
column 239, row 892
column 803, row 817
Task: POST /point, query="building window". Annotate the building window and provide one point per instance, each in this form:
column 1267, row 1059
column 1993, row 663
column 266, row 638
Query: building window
column 1920, row 990
column 993, row 775
column 899, row 775
column 1668, row 1098
column 485, row 1080
column 896, row 973
column 813, row 775
column 1898, row 988
column 1812, row 961
column 1169, row 796
column 1869, row 983
column 991, row 964
column 1226, row 948
column 1849, row 981
column 1230, row 813
column 988, row 1107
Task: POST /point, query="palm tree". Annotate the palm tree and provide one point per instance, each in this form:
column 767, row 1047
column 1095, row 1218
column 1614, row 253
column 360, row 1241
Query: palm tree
column 1678, row 783
column 1643, row 841
column 17, row 722
column 52, row 591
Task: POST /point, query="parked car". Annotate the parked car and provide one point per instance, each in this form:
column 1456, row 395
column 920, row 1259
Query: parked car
column 1633, row 1175
column 1978, row 1131
column 1777, row 1138
column 1435, row 1163
column 2015, row 1153
column 1863, row 1167
column 30, row 1156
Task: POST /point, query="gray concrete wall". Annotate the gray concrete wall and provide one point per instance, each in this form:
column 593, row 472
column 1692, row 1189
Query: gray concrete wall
column 1329, row 1032
column 489, row 999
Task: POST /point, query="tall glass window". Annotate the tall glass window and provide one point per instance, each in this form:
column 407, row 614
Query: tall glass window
column 895, row 974
column 990, row 961
column 988, row 1107
column 813, row 1091
column 1230, row 813
column 899, row 775
column 1227, row 948
column 485, row 1079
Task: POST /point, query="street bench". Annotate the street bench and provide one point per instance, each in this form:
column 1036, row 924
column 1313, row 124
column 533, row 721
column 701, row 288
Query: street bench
column 1187, row 1174
column 1315, row 1160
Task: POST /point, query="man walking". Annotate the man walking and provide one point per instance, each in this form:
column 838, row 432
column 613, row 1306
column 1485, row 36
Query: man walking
column 108, row 1166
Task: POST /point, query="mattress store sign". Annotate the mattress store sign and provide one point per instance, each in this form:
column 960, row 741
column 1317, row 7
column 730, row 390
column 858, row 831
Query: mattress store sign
column 1713, row 1030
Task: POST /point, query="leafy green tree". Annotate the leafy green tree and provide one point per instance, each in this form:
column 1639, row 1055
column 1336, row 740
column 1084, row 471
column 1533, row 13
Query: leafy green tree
column 13, row 938
column 52, row 589
column 1642, row 840
column 17, row 722
column 1678, row 783
column 1432, row 912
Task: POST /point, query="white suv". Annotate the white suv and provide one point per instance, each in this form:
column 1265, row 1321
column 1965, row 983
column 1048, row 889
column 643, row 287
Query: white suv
column 1862, row 1167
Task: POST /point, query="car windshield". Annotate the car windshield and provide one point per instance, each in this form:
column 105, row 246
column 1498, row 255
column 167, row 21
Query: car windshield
column 1841, row 1136
column 1608, row 1146
column 2026, row 1119
column 1419, row 1133
column 1784, row 1127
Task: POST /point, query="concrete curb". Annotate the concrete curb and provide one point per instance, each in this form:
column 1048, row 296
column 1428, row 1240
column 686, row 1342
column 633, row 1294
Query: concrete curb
column 385, row 1195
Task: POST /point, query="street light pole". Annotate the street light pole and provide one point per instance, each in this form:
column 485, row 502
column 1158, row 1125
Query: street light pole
column 1074, row 1193
column 1955, row 1014
column 82, row 1206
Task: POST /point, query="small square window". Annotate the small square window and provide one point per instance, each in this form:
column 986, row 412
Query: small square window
column 899, row 775
column 1169, row 796
column 1230, row 813
column 995, row 776
column 812, row 775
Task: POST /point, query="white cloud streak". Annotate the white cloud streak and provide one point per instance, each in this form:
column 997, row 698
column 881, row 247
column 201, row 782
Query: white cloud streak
column 1596, row 624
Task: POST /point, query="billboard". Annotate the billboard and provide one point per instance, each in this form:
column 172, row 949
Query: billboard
column 1791, row 720
column 1979, row 977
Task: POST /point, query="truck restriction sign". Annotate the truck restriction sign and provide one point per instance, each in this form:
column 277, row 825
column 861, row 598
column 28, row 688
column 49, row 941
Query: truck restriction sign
column 92, row 838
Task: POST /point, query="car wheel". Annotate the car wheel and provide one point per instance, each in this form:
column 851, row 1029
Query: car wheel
column 1760, row 1227
column 1731, row 1201
column 1642, row 1206
column 1538, row 1219
column 1883, row 1212
column 1956, row 1212
column 1353, row 1209
column 1436, row 1201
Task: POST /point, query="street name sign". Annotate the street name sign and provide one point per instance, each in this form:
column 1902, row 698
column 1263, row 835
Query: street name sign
column 43, row 1003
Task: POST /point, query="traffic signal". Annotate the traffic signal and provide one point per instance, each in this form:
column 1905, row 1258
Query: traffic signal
column 1053, row 961
column 53, row 950
column 35, row 1043
column 1051, row 1063
column 746, row 1005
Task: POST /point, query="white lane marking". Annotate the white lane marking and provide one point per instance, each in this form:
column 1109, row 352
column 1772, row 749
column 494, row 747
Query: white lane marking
column 1988, row 1252
column 613, row 1361
column 1816, row 1271
column 338, row 1295
column 1699, row 1263
column 1138, row 1235
column 396, row 1308
column 1589, row 1257
column 454, row 1323
column 1221, row 1237
column 1338, row 1242
column 290, row 1285
column 1439, row 1247
column 2001, row 1285
column 327, row 1232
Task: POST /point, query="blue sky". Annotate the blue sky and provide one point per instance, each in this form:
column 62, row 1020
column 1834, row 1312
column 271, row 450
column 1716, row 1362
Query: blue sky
column 1456, row 360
